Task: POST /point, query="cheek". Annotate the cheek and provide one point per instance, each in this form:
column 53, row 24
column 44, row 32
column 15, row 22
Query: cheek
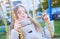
column 26, row 15
column 19, row 16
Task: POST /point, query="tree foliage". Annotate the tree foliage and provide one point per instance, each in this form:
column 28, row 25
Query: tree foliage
column 55, row 3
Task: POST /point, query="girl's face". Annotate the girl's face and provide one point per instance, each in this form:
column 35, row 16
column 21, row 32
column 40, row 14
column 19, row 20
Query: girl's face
column 21, row 13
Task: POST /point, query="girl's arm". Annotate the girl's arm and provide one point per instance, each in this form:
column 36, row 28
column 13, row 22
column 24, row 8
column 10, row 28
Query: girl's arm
column 46, row 28
column 47, row 32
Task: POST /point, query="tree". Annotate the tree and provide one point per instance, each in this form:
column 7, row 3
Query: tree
column 55, row 3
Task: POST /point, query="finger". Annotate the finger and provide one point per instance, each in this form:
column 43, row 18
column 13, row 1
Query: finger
column 17, row 22
column 19, row 19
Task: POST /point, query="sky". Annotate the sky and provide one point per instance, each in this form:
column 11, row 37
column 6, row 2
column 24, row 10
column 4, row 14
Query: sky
column 28, row 4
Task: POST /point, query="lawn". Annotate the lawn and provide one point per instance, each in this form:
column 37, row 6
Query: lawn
column 2, row 36
column 57, row 29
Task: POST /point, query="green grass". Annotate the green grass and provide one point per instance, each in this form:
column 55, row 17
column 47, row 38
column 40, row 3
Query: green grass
column 42, row 24
column 2, row 36
column 1, row 23
column 57, row 27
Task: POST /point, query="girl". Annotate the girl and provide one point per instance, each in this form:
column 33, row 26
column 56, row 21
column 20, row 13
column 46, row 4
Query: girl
column 31, row 29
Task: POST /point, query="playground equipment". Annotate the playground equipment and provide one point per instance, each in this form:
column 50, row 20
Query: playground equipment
column 6, row 26
column 47, row 20
column 34, row 15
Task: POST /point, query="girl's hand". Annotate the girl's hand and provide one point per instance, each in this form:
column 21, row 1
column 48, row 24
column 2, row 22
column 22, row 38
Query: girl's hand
column 17, row 24
column 45, row 17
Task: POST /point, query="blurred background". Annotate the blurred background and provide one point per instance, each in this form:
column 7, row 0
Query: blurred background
column 36, row 9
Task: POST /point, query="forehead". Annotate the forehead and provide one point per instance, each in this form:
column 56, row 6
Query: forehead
column 21, row 8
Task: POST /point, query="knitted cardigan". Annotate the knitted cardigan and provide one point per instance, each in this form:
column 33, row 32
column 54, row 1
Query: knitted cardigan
column 30, row 32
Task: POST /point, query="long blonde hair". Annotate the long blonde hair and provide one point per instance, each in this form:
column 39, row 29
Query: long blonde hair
column 37, row 25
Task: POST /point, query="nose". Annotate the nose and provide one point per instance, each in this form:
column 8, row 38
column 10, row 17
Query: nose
column 22, row 14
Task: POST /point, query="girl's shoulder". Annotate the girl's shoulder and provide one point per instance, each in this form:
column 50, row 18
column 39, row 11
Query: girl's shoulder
column 14, row 32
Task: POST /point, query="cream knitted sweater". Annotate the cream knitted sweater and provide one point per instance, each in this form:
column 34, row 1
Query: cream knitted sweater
column 30, row 32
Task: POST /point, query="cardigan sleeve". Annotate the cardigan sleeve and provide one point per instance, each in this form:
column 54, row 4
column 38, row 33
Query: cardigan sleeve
column 47, row 32
column 14, row 34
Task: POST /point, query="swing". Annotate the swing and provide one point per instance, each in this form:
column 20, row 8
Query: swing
column 4, row 20
column 47, row 21
column 21, row 36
